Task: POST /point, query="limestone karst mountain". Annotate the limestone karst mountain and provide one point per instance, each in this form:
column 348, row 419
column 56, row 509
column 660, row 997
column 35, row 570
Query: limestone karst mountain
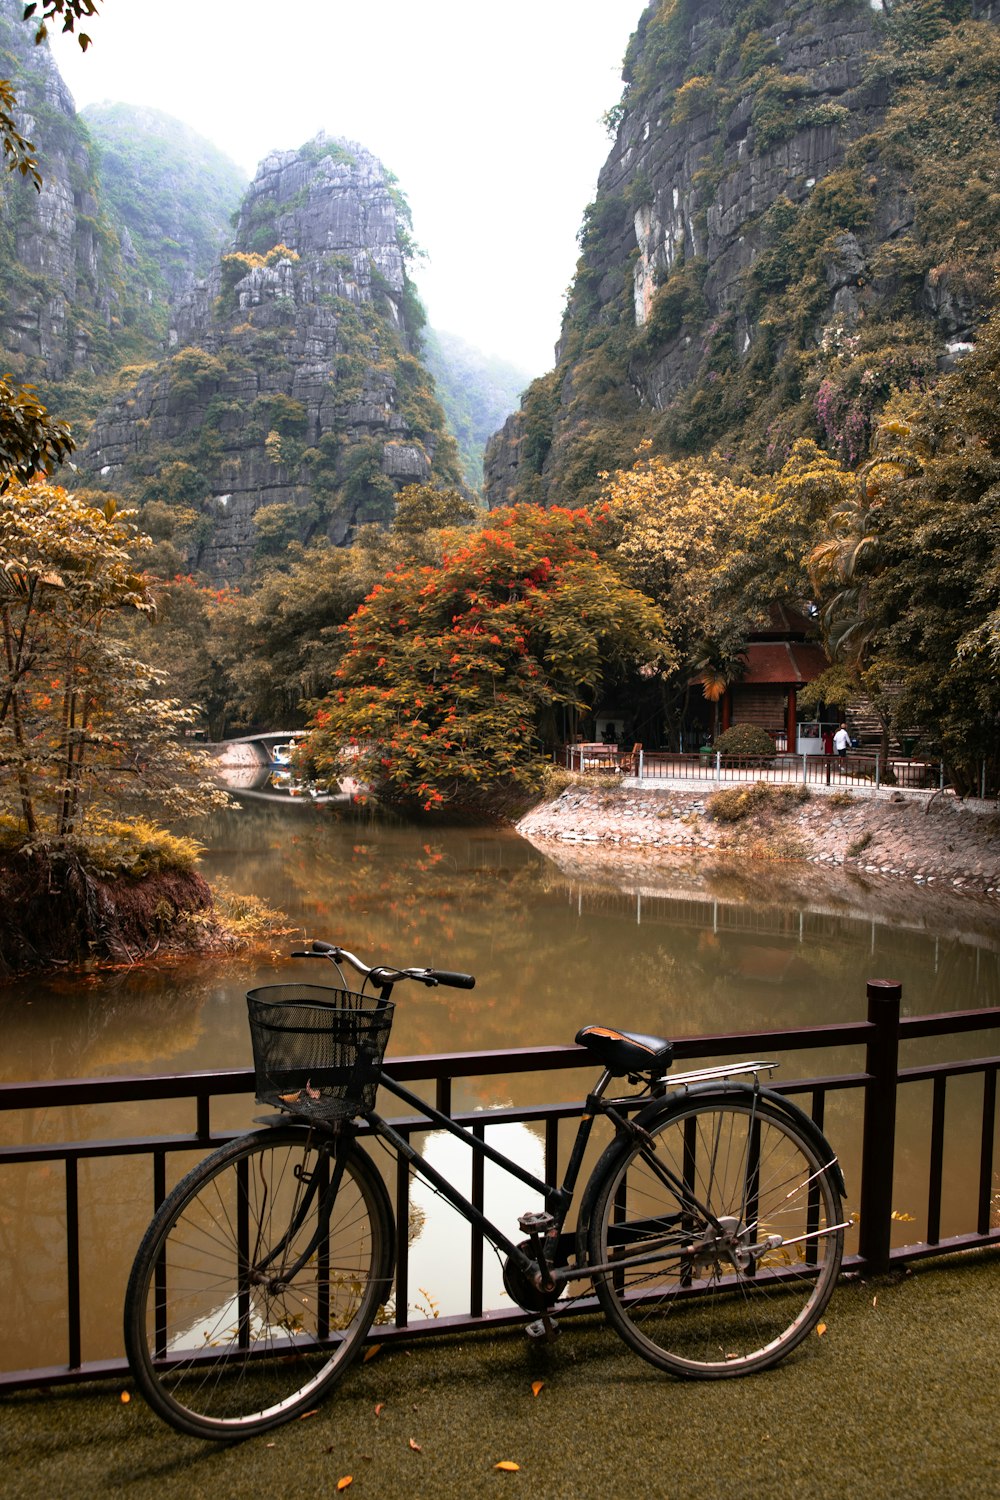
column 799, row 215
column 293, row 403
column 281, row 397
column 132, row 206
column 73, row 302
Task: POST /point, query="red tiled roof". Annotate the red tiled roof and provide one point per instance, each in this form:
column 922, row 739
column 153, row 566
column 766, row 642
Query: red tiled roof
column 782, row 661
column 783, row 621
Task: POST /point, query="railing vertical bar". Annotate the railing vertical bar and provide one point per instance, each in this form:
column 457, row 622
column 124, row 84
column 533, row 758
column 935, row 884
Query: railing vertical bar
column 442, row 1096
column 476, row 1258
column 324, row 1163
column 160, row 1269
column 936, row 1176
column 402, row 1238
column 202, row 1125
column 159, row 1176
column 986, row 1149
column 73, row 1262
column 242, row 1252
column 552, row 1149
column 819, row 1107
column 879, row 1140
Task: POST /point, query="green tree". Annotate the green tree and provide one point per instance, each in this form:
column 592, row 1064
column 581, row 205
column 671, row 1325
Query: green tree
column 421, row 508
column 31, row 442
column 83, row 732
column 453, row 675
column 909, row 572
column 671, row 528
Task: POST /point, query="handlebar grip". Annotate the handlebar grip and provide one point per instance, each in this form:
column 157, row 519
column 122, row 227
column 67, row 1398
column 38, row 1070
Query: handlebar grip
column 319, row 946
column 456, row 981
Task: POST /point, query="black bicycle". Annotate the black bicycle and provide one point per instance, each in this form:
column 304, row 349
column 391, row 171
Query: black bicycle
column 711, row 1227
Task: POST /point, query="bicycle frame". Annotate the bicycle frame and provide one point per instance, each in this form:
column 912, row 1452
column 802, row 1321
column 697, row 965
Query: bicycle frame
column 558, row 1200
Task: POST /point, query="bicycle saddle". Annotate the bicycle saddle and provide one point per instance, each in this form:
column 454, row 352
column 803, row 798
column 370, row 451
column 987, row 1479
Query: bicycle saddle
column 627, row 1051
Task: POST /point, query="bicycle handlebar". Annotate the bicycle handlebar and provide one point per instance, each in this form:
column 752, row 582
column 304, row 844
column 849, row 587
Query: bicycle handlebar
column 381, row 973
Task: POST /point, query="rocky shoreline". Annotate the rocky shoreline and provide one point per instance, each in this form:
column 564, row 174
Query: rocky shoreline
column 934, row 841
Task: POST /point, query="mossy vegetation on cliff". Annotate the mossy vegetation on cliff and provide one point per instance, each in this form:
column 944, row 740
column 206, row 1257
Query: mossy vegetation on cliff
column 864, row 250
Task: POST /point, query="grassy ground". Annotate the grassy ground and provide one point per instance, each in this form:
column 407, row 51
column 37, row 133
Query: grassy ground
column 900, row 1396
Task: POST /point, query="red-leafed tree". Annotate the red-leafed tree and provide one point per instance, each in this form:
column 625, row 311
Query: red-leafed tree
column 455, row 676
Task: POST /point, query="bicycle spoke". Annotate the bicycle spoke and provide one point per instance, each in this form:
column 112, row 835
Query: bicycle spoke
column 256, row 1285
column 755, row 1259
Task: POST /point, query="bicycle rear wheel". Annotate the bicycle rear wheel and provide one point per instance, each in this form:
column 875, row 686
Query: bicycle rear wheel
column 254, row 1286
column 713, row 1299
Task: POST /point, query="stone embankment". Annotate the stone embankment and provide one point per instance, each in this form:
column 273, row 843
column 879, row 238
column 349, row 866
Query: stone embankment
column 937, row 842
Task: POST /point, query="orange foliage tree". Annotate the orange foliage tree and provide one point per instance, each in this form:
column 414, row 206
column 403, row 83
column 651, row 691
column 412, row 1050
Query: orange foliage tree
column 455, row 675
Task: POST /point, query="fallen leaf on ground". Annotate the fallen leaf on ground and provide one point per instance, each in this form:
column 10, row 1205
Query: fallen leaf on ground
column 380, row 1408
column 371, row 1353
column 343, row 1483
column 536, row 1386
column 126, row 1398
column 309, row 1413
column 415, row 1446
column 820, row 1329
column 508, row 1464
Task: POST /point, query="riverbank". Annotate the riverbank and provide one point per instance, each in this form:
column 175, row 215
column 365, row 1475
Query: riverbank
column 938, row 841
column 63, row 913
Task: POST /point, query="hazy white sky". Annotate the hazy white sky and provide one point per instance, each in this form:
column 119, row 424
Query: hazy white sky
column 489, row 115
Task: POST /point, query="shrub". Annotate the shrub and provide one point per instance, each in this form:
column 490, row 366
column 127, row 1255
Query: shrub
column 794, row 792
column 745, row 739
column 737, row 802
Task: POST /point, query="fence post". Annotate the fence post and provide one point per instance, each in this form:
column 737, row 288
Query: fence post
column 718, row 765
column 640, row 766
column 879, row 1142
column 805, row 769
column 878, row 769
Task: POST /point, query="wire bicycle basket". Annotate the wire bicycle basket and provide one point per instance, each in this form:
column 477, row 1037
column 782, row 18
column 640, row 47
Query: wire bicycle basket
column 317, row 1050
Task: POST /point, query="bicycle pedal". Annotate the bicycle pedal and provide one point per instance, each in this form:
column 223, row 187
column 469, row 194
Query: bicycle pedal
column 536, row 1223
column 543, row 1328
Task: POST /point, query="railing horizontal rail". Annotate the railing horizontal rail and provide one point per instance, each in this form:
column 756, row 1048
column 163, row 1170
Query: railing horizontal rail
column 881, row 1035
column 127, row 1089
column 911, row 1027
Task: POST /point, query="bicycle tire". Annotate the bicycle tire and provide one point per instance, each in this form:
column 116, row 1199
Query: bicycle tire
column 713, row 1304
column 220, row 1346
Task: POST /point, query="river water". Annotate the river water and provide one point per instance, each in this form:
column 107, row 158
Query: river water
column 677, row 948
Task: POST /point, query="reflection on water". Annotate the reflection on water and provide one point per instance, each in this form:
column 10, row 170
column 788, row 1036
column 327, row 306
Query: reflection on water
column 678, row 949
column 276, row 782
column 441, row 1240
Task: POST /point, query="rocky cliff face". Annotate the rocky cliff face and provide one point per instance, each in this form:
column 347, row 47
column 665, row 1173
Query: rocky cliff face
column 798, row 215
column 62, row 266
column 293, row 404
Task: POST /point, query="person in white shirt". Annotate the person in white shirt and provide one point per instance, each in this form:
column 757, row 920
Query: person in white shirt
column 842, row 740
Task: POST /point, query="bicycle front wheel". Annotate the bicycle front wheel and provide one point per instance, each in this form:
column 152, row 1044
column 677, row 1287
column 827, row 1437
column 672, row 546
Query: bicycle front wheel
column 722, row 1237
column 255, row 1284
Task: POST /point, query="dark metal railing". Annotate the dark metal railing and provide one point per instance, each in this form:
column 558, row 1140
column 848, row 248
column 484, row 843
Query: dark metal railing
column 857, row 769
column 877, row 1082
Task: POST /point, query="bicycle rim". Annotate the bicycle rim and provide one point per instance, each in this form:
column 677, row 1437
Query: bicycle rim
column 708, row 1299
column 252, row 1291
